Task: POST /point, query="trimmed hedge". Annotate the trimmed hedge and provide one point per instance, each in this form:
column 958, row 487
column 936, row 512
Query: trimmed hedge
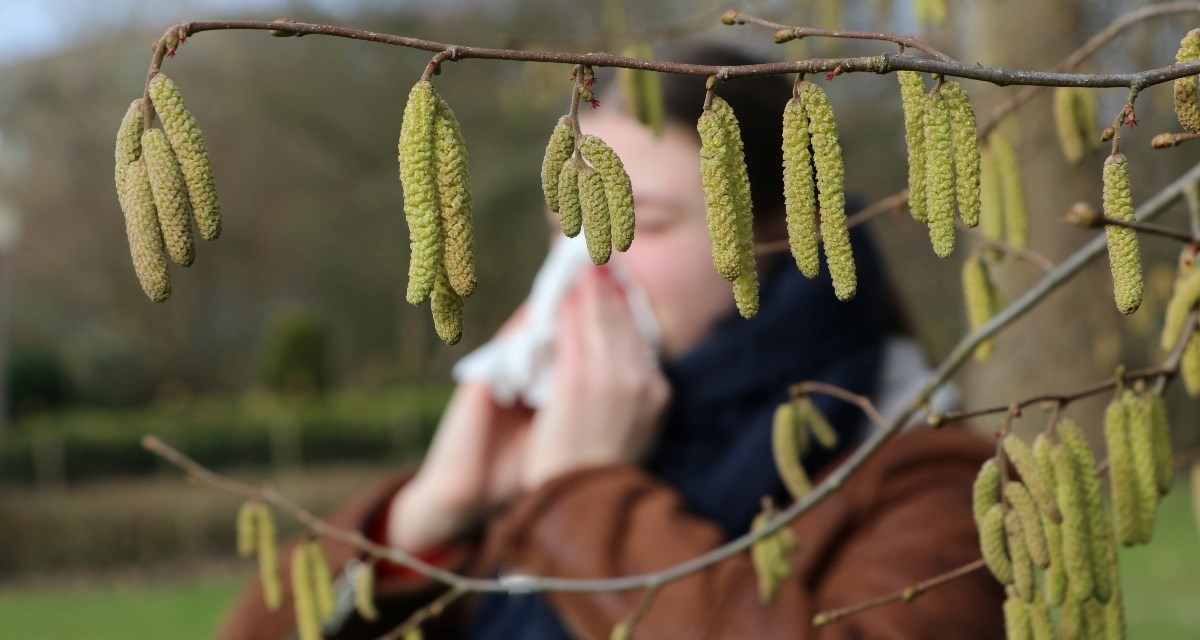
column 255, row 430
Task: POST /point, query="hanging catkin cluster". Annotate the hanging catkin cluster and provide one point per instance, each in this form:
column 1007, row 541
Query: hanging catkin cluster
column 943, row 157
column 772, row 556
column 1050, row 520
column 164, row 180
column 1140, row 467
column 437, row 207
column 256, row 534
column 982, row 299
column 1003, row 215
column 795, row 422
column 1124, row 256
column 312, row 589
column 597, row 199
column 727, row 204
column 1075, row 119
column 814, row 188
column 1187, row 108
column 1184, row 298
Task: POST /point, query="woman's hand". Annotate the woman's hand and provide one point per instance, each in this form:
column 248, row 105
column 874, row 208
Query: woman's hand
column 472, row 468
column 609, row 392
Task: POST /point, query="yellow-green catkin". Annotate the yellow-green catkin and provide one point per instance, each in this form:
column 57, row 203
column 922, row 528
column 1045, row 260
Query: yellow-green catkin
column 831, row 195
column 322, row 580
column 811, row 418
column 1012, row 187
column 1184, row 295
column 1126, row 508
column 1070, row 621
column 939, row 175
column 418, row 176
column 965, row 134
column 1189, row 366
column 643, row 90
column 1160, row 427
column 986, row 490
column 364, row 592
column 188, row 145
column 745, row 286
column 617, row 189
column 597, row 228
column 991, row 198
column 1187, row 107
column 1018, row 497
column 447, row 309
column 247, row 527
column 1017, row 625
column 787, row 446
column 308, row 619
column 745, row 293
column 765, row 556
column 1140, row 430
column 1101, row 535
column 1024, row 583
column 1076, row 532
column 1041, row 622
column 799, row 190
column 558, row 151
column 1093, row 620
column 454, row 200
column 1056, row 577
column 142, row 230
column 1124, row 256
column 1075, row 119
column 414, row 634
column 1019, row 454
column 268, row 557
column 982, row 300
column 570, row 210
column 129, row 138
column 993, row 546
column 170, row 196
column 912, row 97
column 719, row 201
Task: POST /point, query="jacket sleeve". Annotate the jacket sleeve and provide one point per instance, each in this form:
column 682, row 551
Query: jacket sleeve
column 396, row 596
column 904, row 517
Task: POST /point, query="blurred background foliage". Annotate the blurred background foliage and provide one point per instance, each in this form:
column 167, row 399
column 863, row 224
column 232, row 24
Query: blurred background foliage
column 287, row 351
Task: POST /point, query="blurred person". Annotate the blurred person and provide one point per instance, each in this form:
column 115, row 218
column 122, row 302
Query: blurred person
column 640, row 460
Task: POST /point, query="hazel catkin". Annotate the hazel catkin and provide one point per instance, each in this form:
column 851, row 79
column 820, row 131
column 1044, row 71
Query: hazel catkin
column 597, row 228
column 965, row 135
column 322, row 580
column 912, row 97
column 1076, row 534
column 1019, row 454
column 1121, row 474
column 1123, row 254
column 1012, row 187
column 985, row 492
column 454, row 200
column 1164, row 460
column 831, row 196
column 1056, row 577
column 418, row 176
column 787, row 447
column 142, row 230
column 1017, row 625
column 447, row 308
column 1018, row 497
column 993, row 545
column 939, row 175
column 1024, row 583
column 268, row 557
column 1101, row 535
column 188, row 145
column 1140, row 431
column 811, row 419
column 304, row 598
column 745, row 286
column 170, row 197
column 799, row 190
column 991, row 198
column 364, row 592
column 558, row 151
column 129, row 137
column 1075, row 120
column 982, row 300
column 618, row 191
column 246, row 529
column 716, row 166
column 1187, row 108
column 570, row 210
column 1185, row 293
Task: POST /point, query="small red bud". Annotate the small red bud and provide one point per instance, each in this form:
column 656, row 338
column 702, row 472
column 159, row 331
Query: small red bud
column 595, row 103
column 831, row 75
column 1131, row 122
column 590, row 81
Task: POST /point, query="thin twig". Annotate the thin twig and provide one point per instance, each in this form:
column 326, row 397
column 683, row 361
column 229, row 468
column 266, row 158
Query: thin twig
column 803, row 32
column 907, row 594
column 825, row 388
column 624, row 628
column 1148, row 228
column 431, row 610
column 1023, row 253
column 1166, row 140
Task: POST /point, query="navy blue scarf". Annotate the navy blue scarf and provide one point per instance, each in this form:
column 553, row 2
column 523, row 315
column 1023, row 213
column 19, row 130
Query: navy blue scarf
column 715, row 447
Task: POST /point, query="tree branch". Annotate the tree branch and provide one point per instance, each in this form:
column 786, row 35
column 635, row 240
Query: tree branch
column 907, row 594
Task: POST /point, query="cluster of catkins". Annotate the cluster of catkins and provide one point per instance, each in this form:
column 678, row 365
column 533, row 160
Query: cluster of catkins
column 164, row 181
column 585, row 183
column 437, row 207
column 1075, row 120
column 1184, row 298
column 1053, row 519
column 311, row 578
column 794, row 423
column 1187, row 106
column 943, row 157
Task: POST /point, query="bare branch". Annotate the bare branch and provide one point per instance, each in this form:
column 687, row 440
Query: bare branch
column 907, row 594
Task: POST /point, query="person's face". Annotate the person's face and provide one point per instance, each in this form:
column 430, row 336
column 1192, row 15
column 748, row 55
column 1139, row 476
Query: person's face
column 671, row 255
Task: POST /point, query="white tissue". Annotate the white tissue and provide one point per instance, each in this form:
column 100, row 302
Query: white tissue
column 520, row 365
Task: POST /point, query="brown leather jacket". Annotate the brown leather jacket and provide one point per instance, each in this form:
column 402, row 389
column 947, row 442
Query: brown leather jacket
column 905, row 516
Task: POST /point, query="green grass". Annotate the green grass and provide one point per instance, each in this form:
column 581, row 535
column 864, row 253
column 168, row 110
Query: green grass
column 181, row 612
column 1160, row 581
